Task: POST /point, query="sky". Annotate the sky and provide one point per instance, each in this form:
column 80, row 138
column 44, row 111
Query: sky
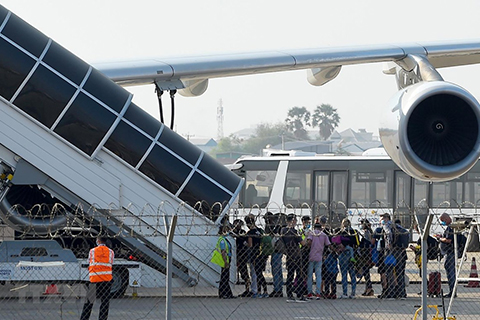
column 119, row 30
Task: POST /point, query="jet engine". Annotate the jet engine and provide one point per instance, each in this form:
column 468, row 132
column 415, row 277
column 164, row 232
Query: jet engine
column 431, row 130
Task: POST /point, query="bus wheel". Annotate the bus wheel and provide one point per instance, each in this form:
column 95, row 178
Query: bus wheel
column 119, row 282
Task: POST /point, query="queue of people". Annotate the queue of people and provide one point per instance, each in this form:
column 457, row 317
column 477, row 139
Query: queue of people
column 317, row 251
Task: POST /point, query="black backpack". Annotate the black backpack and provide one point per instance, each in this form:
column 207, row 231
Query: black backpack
column 401, row 236
column 433, row 249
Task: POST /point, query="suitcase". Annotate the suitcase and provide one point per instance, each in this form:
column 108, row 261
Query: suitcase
column 434, row 284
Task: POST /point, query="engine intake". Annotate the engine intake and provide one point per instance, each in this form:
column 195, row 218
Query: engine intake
column 432, row 130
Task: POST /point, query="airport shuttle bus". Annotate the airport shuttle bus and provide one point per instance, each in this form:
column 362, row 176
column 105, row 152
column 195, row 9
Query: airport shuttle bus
column 348, row 186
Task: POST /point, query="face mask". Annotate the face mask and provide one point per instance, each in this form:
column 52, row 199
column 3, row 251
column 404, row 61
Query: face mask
column 383, row 222
column 443, row 223
column 308, row 226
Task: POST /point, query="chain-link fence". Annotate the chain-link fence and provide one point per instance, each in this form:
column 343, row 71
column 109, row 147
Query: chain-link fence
column 271, row 270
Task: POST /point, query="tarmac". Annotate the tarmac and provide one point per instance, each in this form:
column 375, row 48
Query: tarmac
column 202, row 303
column 465, row 306
column 19, row 301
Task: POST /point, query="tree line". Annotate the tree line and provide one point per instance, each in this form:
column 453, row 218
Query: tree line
column 324, row 118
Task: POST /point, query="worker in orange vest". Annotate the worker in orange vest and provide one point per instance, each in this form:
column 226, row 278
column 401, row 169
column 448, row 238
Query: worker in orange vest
column 100, row 260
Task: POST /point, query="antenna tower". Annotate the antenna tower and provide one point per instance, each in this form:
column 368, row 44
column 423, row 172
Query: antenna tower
column 220, row 119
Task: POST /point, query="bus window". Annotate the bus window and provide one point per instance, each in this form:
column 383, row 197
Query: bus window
column 339, row 187
column 402, row 190
column 298, row 188
column 458, row 191
column 321, row 187
column 420, row 192
column 370, row 189
column 445, row 191
column 321, row 194
column 338, row 201
column 258, row 185
column 472, row 187
column 403, row 196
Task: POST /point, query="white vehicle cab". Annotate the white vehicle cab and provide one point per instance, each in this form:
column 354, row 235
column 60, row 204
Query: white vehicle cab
column 46, row 262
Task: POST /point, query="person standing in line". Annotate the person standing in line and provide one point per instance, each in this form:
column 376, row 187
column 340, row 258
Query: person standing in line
column 100, row 260
column 447, row 249
column 254, row 239
column 378, row 236
column 292, row 241
column 242, row 255
column 225, row 248
column 387, row 232
column 305, row 254
column 322, row 220
column 365, row 262
column 400, row 255
column 330, row 273
column 316, row 240
column 346, row 259
column 273, row 227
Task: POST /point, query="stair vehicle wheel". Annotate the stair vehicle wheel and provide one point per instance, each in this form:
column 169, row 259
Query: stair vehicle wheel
column 119, row 282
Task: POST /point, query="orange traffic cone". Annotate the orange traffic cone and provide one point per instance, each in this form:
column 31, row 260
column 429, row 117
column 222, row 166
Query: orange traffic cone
column 473, row 274
column 51, row 289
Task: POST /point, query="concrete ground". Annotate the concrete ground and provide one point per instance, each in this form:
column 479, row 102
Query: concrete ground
column 29, row 302
column 197, row 303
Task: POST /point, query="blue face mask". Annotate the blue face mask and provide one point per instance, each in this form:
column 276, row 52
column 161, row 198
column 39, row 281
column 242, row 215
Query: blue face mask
column 308, row 226
column 383, row 222
column 443, row 223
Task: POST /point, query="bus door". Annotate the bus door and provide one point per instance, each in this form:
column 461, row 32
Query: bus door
column 331, row 195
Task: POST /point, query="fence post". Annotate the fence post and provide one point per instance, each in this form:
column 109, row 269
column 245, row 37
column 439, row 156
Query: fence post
column 424, row 235
column 170, row 233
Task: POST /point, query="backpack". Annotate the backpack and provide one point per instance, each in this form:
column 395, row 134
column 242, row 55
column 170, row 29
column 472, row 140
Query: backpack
column 278, row 244
column 355, row 239
column 401, row 236
column 331, row 263
column 433, row 249
column 352, row 236
column 292, row 248
column 266, row 246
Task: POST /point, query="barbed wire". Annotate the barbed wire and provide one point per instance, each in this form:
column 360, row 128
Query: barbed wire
column 149, row 220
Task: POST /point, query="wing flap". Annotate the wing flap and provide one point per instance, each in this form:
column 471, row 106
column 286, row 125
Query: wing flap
column 443, row 55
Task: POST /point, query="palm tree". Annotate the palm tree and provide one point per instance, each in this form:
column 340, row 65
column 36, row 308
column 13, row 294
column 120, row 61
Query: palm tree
column 297, row 119
column 326, row 118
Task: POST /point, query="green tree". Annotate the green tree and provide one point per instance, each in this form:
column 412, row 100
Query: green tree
column 326, row 118
column 228, row 144
column 297, row 119
column 265, row 134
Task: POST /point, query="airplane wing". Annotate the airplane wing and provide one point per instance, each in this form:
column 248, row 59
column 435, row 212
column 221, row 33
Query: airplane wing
column 431, row 128
column 178, row 73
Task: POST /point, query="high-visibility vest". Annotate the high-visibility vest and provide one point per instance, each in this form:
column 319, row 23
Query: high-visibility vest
column 303, row 234
column 100, row 261
column 227, row 246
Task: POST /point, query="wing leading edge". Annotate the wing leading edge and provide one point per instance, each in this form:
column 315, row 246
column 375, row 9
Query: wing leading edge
column 175, row 73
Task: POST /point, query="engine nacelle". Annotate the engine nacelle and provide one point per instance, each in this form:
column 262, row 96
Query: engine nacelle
column 194, row 88
column 432, row 130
